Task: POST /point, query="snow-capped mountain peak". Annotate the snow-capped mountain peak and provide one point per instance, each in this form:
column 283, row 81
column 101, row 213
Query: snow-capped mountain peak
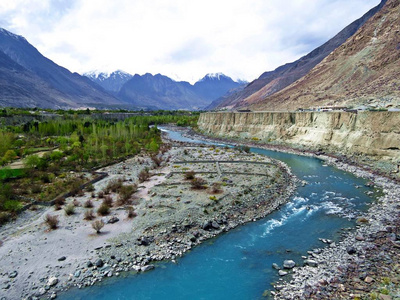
column 110, row 81
column 214, row 76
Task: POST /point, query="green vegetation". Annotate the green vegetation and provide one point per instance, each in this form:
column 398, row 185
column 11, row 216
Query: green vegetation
column 49, row 157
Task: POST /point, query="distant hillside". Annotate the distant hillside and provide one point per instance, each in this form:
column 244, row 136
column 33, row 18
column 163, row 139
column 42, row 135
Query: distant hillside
column 274, row 81
column 365, row 70
column 28, row 79
column 161, row 92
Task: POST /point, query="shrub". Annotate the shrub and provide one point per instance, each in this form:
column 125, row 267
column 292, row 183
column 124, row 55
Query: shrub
column 100, row 195
column 12, row 205
column 98, row 225
column 156, row 160
column 125, row 194
column 216, row 188
column 108, row 201
column 130, row 212
column 198, row 183
column 76, row 203
column 59, row 201
column 88, row 203
column 144, row 175
column 90, row 187
column 242, row 148
column 4, row 217
column 103, row 210
column 51, row 221
column 189, row 175
column 36, row 189
column 114, row 185
column 89, row 215
column 69, row 209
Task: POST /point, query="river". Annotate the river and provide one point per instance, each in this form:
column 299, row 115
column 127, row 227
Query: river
column 237, row 265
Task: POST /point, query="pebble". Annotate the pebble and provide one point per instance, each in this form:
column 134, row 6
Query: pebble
column 13, row 274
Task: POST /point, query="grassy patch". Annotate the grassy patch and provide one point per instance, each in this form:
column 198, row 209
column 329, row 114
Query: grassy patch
column 11, row 173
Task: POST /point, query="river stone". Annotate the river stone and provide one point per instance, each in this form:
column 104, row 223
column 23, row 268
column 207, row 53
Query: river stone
column 62, row 258
column 113, row 220
column 192, row 238
column 13, row 274
column 282, row 273
column 77, row 273
column 41, row 292
column 99, row 263
column 351, row 250
column 275, row 266
column 311, row 263
column 206, row 225
column 53, row 296
column 289, row 264
column 147, row 268
column 52, row 281
column 215, row 225
column 89, row 264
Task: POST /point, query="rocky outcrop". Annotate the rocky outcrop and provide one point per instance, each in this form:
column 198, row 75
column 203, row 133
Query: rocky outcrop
column 373, row 133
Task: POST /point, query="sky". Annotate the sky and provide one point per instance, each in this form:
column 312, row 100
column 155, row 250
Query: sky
column 182, row 39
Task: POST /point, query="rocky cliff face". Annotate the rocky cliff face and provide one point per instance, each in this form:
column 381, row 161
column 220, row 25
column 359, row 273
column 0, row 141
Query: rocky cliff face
column 375, row 134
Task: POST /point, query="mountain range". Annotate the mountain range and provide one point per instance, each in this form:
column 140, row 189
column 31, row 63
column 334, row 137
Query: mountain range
column 272, row 82
column 161, row 92
column 29, row 79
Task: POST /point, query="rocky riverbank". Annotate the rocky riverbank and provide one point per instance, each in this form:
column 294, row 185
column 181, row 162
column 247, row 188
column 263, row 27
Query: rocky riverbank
column 165, row 217
column 365, row 264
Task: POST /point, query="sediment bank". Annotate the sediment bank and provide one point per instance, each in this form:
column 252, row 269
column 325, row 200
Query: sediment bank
column 368, row 137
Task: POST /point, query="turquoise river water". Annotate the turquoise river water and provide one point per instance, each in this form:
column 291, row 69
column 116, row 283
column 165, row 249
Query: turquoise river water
column 237, row 264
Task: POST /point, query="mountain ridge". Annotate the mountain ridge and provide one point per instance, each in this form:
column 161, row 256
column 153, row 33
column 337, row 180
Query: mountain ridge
column 273, row 81
column 363, row 71
column 44, row 77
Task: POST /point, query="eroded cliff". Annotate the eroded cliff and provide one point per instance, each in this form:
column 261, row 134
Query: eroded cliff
column 375, row 134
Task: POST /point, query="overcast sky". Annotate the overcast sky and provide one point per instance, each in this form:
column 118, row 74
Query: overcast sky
column 183, row 39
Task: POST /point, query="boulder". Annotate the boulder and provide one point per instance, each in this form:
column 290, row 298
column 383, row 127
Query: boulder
column 289, row 264
column 311, row 263
column 351, row 250
column 215, row 225
column 113, row 220
column 147, row 268
column 99, row 263
column 282, row 273
column 52, row 281
column 89, row 264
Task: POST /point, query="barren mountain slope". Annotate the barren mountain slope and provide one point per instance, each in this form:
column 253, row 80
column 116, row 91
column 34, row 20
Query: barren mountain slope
column 274, row 81
column 365, row 70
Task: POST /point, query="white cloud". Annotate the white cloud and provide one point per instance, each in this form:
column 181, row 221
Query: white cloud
column 242, row 38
